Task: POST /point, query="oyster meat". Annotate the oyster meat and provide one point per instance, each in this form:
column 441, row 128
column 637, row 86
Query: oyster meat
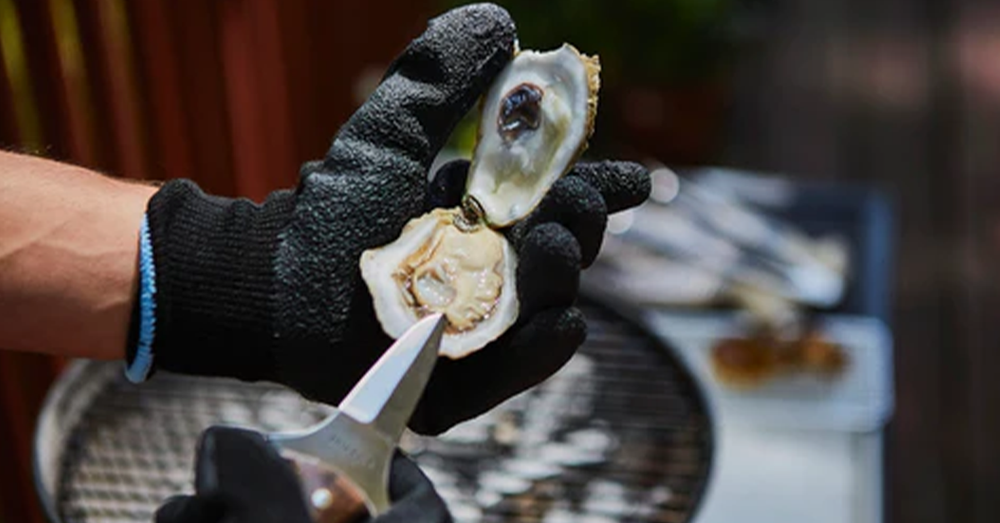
column 534, row 123
column 436, row 267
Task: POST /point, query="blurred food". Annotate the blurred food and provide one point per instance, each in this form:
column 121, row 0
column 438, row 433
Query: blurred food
column 751, row 361
column 820, row 356
column 744, row 362
column 712, row 239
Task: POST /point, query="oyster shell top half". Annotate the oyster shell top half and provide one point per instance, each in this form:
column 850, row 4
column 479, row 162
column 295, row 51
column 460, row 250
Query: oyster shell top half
column 534, row 123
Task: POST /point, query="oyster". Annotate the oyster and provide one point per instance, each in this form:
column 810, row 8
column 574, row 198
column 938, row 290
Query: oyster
column 534, row 123
column 436, row 267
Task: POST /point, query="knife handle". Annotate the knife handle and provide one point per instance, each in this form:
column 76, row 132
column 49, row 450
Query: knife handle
column 330, row 496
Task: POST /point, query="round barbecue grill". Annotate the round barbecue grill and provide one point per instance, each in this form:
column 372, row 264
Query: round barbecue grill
column 621, row 433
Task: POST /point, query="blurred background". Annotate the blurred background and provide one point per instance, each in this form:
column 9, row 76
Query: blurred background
column 899, row 97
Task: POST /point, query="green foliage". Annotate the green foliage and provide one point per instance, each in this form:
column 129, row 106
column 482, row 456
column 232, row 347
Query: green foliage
column 639, row 41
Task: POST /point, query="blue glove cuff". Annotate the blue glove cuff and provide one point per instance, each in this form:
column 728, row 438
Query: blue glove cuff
column 138, row 370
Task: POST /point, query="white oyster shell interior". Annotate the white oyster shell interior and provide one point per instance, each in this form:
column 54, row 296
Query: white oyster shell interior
column 436, row 267
column 535, row 120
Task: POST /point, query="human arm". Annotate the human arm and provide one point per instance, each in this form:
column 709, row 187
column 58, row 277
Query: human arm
column 68, row 247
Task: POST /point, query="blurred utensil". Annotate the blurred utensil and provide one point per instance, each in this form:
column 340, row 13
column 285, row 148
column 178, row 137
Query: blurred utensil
column 767, row 265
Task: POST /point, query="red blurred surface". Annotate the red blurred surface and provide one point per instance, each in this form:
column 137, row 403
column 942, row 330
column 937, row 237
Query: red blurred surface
column 234, row 94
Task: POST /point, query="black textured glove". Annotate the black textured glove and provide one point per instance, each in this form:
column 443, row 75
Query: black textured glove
column 240, row 478
column 553, row 243
column 274, row 292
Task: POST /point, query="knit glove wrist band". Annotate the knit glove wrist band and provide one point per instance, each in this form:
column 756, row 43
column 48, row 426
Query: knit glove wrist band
column 214, row 280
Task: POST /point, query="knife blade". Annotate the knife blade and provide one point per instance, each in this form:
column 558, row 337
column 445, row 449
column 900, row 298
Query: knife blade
column 343, row 462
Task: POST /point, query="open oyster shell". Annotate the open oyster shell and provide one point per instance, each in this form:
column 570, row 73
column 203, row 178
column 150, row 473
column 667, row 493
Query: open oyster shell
column 534, row 123
column 436, row 267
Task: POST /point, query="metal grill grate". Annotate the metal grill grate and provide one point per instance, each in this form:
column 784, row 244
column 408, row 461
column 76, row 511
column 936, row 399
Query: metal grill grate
column 620, row 434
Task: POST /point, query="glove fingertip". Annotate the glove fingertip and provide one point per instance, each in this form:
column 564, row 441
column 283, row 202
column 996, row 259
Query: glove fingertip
column 548, row 273
column 189, row 509
column 623, row 184
column 573, row 325
column 550, row 339
column 566, row 327
column 487, row 21
column 405, row 476
column 425, row 92
column 412, row 494
column 223, row 448
column 448, row 185
column 218, row 438
column 553, row 240
column 580, row 207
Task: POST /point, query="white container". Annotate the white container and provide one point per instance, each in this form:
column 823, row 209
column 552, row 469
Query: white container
column 797, row 448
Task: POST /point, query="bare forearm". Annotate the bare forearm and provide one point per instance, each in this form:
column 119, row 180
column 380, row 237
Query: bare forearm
column 68, row 251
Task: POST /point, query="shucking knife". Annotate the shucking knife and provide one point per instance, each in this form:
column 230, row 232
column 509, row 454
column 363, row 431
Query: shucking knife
column 343, row 462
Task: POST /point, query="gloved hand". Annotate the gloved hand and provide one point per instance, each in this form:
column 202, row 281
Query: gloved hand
column 553, row 243
column 240, row 478
column 274, row 292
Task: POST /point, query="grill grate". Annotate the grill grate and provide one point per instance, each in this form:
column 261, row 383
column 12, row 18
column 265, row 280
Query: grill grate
column 620, row 434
